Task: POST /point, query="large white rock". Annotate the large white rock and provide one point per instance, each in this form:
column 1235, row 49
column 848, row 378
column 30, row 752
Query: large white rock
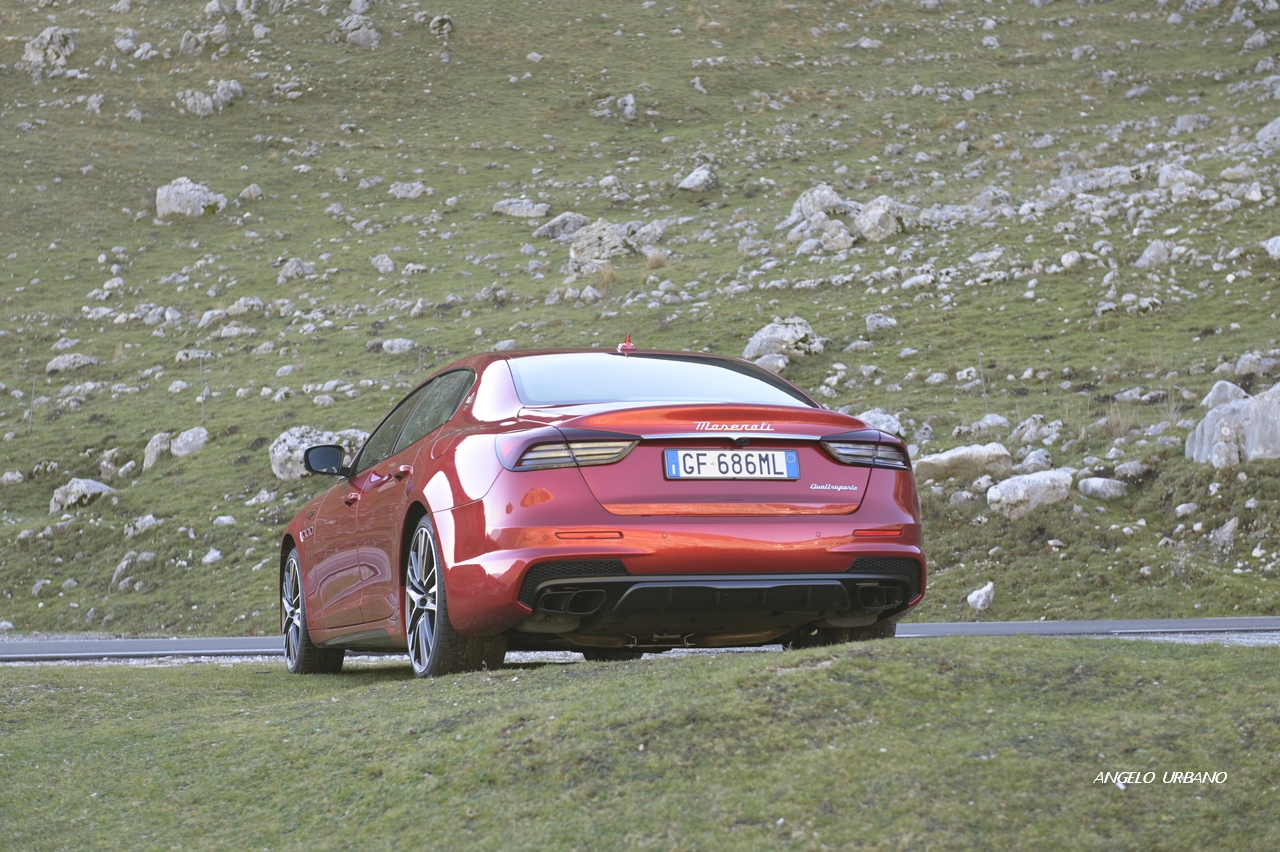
column 69, row 361
column 184, row 197
column 878, row 418
column 1243, row 430
column 1269, row 135
column 1171, row 174
column 521, row 208
column 156, row 447
column 383, row 263
column 398, row 346
column 296, row 267
column 700, row 179
column 980, row 599
column 965, row 463
column 189, row 441
column 1101, row 488
column 880, row 322
column 594, row 245
column 1155, row 254
column 773, row 362
column 793, row 337
column 564, row 225
column 1273, row 247
column 77, row 492
column 12, row 477
column 1221, row 393
column 881, row 219
column 286, row 450
column 1018, row 496
column 818, row 199
column 49, row 50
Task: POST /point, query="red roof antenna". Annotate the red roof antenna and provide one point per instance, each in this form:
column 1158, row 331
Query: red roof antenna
column 626, row 347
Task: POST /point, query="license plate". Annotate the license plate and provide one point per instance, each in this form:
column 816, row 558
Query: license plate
column 731, row 464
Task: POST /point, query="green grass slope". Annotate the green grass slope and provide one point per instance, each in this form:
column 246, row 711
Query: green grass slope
column 933, row 744
column 522, row 100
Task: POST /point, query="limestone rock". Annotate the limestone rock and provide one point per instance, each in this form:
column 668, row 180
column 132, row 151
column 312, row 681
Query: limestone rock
column 880, row 322
column 1272, row 245
column 287, row 449
column 12, row 477
column 1101, row 488
column 189, row 441
column 1132, row 471
column 295, row 267
column 1155, row 254
column 48, row 52
column 878, row 418
column 252, row 192
column 77, row 492
column 521, row 208
column 881, row 219
column 818, row 199
column 793, row 337
column 156, row 447
column 69, row 361
column 1018, row 496
column 981, row 599
column 773, row 362
column 594, row 245
column 187, row 198
column 1269, row 136
column 383, row 263
column 965, row 463
column 564, row 225
column 1221, row 393
column 1243, row 430
column 398, row 346
column 1035, row 461
column 700, row 179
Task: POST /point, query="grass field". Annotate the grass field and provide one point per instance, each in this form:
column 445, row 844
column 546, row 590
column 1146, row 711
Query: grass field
column 522, row 100
column 927, row 744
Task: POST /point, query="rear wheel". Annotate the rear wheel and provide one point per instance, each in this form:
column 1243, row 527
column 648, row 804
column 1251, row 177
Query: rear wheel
column 435, row 648
column 300, row 655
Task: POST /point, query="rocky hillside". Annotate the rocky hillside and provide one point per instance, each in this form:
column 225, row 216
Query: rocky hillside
column 1037, row 240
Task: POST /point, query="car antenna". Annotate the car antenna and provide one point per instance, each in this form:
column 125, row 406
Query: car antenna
column 626, row 347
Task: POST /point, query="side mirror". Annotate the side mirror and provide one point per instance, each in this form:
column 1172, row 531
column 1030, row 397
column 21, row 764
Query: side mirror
column 326, row 459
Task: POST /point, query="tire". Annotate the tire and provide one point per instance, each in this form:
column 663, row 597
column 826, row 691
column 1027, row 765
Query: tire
column 609, row 655
column 839, row 636
column 805, row 637
column 300, row 655
column 435, row 648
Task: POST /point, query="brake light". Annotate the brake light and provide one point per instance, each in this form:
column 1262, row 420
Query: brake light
column 571, row 453
column 869, row 455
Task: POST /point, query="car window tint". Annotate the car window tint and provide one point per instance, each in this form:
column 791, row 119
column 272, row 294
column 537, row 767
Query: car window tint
column 437, row 405
column 383, row 440
column 590, row 377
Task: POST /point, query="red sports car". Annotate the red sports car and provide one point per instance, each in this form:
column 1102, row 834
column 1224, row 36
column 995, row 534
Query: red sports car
column 612, row 503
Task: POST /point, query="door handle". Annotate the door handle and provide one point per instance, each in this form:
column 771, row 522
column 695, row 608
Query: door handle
column 351, row 498
column 403, row 471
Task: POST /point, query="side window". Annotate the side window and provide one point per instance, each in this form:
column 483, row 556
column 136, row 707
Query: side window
column 383, row 440
column 437, row 405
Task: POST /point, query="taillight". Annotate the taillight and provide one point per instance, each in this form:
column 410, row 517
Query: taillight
column 869, row 455
column 571, row 453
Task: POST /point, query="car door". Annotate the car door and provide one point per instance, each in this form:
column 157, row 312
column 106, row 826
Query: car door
column 335, row 560
column 384, row 505
column 349, row 573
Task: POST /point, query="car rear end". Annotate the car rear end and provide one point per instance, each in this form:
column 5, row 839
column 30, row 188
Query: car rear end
column 644, row 523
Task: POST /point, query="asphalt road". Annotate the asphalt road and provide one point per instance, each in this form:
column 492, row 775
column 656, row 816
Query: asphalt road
column 1252, row 631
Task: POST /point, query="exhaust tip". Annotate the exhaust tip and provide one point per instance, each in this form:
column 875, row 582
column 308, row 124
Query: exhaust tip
column 586, row 602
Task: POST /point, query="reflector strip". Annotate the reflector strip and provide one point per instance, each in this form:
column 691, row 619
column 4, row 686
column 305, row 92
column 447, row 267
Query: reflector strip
column 876, row 533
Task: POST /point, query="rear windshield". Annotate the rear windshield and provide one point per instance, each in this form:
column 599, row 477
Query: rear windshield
column 592, row 377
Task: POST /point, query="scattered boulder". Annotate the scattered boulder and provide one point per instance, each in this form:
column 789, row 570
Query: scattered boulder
column 398, row 346
column 69, row 361
column 1224, row 537
column 818, row 199
column 564, row 225
column 773, row 362
column 48, row 52
column 1132, row 471
column 700, row 179
column 878, row 418
column 189, row 441
column 77, row 492
column 286, row 450
column 965, row 463
column 1101, row 488
column 881, row 219
column 187, row 198
column 409, row 190
column 296, row 267
column 1221, row 393
column 383, row 263
column 252, row 192
column 594, row 245
column 1155, row 254
column 521, row 208
column 1182, row 510
column 1035, row 461
column 1272, row 245
column 1243, row 430
column 981, row 599
column 793, row 337
column 880, row 322
column 1018, row 496
column 156, row 447
column 12, row 477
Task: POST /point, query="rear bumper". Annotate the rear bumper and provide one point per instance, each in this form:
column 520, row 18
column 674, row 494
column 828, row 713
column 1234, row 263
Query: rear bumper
column 508, row 550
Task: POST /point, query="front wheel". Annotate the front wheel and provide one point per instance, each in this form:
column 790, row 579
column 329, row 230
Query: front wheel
column 435, row 648
column 300, row 655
